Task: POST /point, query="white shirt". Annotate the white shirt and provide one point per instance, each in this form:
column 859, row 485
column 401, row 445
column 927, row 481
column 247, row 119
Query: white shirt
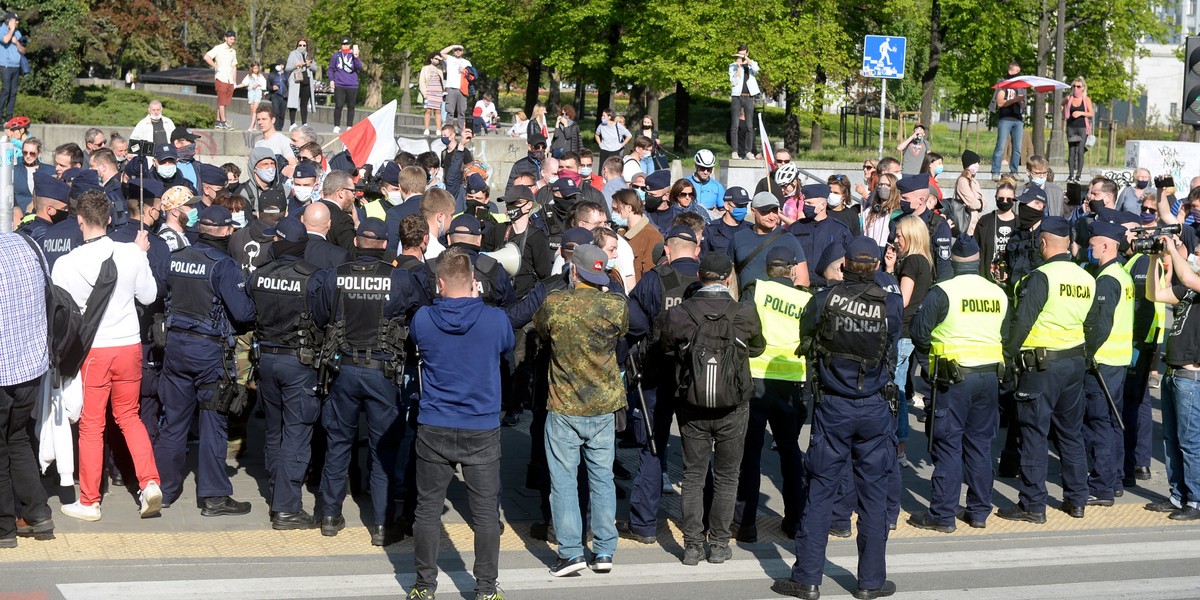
column 453, row 77
column 487, row 110
column 434, row 249
column 77, row 273
column 279, row 144
column 226, row 58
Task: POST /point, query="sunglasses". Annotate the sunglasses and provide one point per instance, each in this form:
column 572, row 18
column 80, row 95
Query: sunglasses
column 539, row 147
column 705, row 169
column 687, row 194
column 784, row 161
column 30, row 152
column 868, row 168
column 1148, row 210
column 638, row 187
column 1078, row 87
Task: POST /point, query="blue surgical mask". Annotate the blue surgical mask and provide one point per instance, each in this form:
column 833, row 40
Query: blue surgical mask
column 1091, row 258
column 167, row 171
column 938, row 170
column 739, row 213
column 1148, row 217
column 1038, row 181
column 619, row 221
column 266, row 175
column 585, row 171
column 641, row 194
column 193, row 216
column 611, row 264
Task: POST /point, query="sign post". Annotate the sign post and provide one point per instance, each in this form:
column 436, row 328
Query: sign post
column 883, row 58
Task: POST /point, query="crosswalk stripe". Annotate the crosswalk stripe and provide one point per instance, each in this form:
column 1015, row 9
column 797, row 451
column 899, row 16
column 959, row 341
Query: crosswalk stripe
column 654, row 574
column 1167, row 588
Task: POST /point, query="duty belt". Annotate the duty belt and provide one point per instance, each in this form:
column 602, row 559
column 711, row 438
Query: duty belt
column 1061, row 354
column 278, row 350
column 1184, row 374
column 362, row 363
column 204, row 336
column 980, row 369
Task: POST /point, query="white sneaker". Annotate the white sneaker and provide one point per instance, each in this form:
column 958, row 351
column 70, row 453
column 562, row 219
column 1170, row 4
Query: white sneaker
column 151, row 500
column 903, row 460
column 292, row 127
column 82, row 511
column 735, row 156
column 918, row 400
column 337, row 129
column 426, row 133
column 667, row 488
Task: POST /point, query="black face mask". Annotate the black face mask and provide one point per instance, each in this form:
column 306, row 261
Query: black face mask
column 231, row 188
column 219, row 242
column 654, row 203
column 1028, row 216
column 1004, row 205
column 1095, row 206
column 59, row 216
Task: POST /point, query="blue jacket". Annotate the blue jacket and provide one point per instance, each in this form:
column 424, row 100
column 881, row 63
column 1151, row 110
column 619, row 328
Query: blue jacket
column 22, row 193
column 814, row 236
column 709, row 194
column 461, row 341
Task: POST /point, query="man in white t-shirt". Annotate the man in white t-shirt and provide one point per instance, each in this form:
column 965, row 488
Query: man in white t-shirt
column 456, row 100
column 223, row 58
column 113, row 367
column 281, row 145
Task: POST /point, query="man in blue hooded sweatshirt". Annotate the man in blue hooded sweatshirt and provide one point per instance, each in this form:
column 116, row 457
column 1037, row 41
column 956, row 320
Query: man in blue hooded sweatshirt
column 459, row 419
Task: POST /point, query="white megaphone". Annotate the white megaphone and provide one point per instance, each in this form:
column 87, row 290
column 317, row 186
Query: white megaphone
column 509, row 257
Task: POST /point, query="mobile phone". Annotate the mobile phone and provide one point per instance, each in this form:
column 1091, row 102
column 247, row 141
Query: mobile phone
column 356, row 48
column 1164, row 181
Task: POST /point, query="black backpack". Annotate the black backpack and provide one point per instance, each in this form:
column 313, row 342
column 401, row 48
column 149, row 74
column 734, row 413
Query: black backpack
column 713, row 364
column 71, row 332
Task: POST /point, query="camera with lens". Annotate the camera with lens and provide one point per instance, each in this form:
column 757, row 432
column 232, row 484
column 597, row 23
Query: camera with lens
column 1149, row 240
column 141, row 148
column 368, row 186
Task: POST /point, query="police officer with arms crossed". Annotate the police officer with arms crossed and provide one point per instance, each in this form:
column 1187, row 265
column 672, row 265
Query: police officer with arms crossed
column 1046, row 345
column 778, row 397
column 852, row 330
column 286, row 347
column 207, row 304
column 961, row 325
column 370, row 302
column 1108, row 333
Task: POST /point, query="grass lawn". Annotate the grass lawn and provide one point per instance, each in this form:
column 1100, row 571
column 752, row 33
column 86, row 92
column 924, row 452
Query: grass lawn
column 110, row 107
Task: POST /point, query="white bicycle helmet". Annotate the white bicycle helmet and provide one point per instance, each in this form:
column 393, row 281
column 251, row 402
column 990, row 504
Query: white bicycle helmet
column 787, row 173
column 706, row 159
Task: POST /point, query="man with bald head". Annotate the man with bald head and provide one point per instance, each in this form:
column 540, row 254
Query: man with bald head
column 319, row 251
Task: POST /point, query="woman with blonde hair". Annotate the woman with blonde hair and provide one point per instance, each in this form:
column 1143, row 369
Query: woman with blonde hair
column 1078, row 112
column 913, row 260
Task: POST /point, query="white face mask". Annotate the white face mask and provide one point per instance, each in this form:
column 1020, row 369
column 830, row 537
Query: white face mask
column 1194, row 261
column 239, row 219
column 552, row 179
column 395, row 197
column 302, row 192
column 835, row 199
column 974, row 169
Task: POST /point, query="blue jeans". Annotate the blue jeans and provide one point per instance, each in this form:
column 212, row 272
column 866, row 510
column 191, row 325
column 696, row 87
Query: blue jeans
column 566, row 436
column 1181, row 438
column 1008, row 129
column 904, row 350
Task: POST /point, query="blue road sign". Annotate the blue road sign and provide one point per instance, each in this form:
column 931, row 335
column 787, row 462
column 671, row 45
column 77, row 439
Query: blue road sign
column 883, row 56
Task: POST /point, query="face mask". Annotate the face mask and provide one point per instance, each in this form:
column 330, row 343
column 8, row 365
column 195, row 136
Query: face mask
column 1091, row 257
column 193, row 215
column 552, row 179
column 619, row 221
column 809, row 211
column 155, row 117
column 1095, row 205
column 938, row 170
column 187, row 152
column 295, row 150
column 585, row 171
column 514, row 214
column 1004, row 205
column 835, row 199
column 167, row 171
column 395, row 197
column 641, row 194
column 1148, row 217
column 883, row 192
column 302, row 192
column 445, row 140
column 266, row 175
column 239, row 219
column 603, row 121
column 1038, row 181
column 907, row 207
column 59, row 216
column 231, row 188
column 1141, row 185
column 1194, row 261
column 973, row 170
column 538, row 155
column 1195, row 215
column 739, row 213
column 1027, row 216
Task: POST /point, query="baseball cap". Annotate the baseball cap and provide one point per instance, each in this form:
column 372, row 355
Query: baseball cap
column 288, row 229
column 466, row 224
column 305, row 169
column 856, row 246
column 211, row 174
column 781, row 256
column 476, row 183
column 1032, row 193
column 965, row 249
column 913, row 183
column 737, row 195
column 517, row 194
column 345, row 40
column 390, row 173
column 372, row 228
column 764, row 200
column 535, row 136
column 272, row 202
column 577, row 236
column 46, row 186
column 589, row 261
column 165, row 152
column 566, row 187
column 658, row 180
column 1056, row 226
column 1111, row 231
column 181, row 133
column 178, row 196
column 717, row 264
column 84, row 181
column 10, row 15
column 215, row 216
column 682, row 232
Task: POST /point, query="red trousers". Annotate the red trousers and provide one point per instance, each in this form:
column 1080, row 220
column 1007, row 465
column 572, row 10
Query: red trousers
column 114, row 373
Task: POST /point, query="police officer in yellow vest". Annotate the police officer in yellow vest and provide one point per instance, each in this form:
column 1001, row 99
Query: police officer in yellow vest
column 961, row 325
column 1109, row 337
column 1046, row 341
column 778, row 397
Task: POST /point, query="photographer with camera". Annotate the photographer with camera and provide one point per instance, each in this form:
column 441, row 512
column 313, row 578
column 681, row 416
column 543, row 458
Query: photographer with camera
column 743, row 83
column 1181, row 386
column 914, row 150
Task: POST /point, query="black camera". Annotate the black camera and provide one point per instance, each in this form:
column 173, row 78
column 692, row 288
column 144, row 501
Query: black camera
column 141, row 148
column 1149, row 240
column 368, row 187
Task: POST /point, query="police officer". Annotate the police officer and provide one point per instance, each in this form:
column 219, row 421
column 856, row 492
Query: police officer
column 1046, row 342
column 304, row 186
column 961, row 325
column 720, row 232
column 778, row 398
column 495, row 285
column 65, row 235
column 659, row 289
column 1109, row 337
column 50, row 203
column 914, row 200
column 286, row 344
column 207, row 304
column 389, row 183
column 853, row 328
column 659, row 209
column 815, row 230
column 374, row 301
column 166, row 169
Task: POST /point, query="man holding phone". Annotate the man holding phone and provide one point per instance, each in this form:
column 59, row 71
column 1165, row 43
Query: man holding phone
column 744, row 89
column 344, row 67
column 12, row 51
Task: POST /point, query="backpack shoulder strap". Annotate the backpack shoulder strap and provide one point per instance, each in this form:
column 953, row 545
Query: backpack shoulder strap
column 763, row 246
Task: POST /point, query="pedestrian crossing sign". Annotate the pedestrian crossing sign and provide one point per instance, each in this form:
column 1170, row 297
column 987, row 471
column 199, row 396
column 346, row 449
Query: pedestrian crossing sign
column 883, row 56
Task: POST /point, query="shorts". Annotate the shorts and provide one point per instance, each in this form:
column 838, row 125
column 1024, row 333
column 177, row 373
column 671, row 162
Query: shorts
column 254, row 96
column 224, row 93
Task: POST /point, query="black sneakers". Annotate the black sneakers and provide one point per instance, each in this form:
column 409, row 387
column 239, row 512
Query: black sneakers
column 564, row 567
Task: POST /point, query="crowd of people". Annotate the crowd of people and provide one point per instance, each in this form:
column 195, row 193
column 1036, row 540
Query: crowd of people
column 608, row 303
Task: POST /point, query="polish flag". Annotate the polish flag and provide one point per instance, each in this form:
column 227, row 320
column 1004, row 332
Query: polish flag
column 768, row 155
column 373, row 140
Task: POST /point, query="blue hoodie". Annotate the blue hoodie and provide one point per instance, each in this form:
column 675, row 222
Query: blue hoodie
column 461, row 341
